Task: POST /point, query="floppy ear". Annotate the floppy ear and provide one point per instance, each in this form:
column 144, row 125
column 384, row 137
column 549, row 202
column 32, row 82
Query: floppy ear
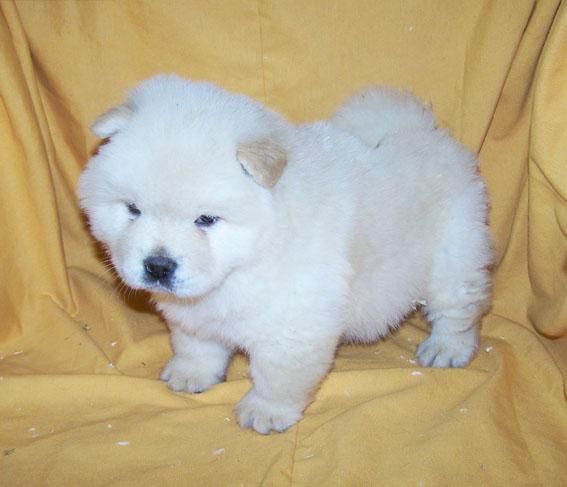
column 112, row 121
column 263, row 159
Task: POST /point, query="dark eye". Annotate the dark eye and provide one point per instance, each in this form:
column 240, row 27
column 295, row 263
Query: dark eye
column 206, row 220
column 133, row 210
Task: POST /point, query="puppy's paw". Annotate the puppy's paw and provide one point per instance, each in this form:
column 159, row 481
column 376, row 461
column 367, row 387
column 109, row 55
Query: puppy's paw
column 264, row 416
column 447, row 350
column 186, row 375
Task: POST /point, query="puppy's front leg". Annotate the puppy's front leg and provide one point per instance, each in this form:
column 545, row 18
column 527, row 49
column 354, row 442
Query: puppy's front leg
column 196, row 364
column 285, row 377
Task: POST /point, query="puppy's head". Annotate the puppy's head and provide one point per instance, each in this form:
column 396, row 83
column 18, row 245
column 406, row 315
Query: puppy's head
column 181, row 195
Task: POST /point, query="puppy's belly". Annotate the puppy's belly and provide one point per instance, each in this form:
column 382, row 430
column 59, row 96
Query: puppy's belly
column 381, row 298
column 372, row 319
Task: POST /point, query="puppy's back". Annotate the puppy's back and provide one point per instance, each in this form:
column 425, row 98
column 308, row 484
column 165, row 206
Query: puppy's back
column 373, row 113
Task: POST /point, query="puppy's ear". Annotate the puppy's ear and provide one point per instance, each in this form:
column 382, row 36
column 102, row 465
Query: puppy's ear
column 112, row 121
column 263, row 159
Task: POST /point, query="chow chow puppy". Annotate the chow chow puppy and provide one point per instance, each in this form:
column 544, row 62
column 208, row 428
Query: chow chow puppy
column 280, row 240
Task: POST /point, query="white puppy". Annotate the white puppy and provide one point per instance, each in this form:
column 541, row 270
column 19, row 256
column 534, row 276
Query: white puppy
column 283, row 240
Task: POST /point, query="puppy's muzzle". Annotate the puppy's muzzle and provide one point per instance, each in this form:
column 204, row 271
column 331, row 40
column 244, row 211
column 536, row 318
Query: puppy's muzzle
column 159, row 269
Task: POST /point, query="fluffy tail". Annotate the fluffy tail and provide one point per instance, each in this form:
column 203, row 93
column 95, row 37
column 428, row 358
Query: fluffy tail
column 374, row 113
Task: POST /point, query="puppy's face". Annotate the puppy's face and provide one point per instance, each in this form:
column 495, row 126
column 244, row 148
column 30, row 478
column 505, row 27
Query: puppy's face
column 179, row 200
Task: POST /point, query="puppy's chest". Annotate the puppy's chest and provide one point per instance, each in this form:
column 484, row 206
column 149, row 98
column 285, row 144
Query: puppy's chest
column 218, row 320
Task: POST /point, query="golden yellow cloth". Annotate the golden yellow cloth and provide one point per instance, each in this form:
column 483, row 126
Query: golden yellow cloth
column 80, row 403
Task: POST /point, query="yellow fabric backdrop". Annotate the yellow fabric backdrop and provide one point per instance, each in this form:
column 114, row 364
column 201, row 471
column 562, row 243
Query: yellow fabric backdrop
column 79, row 358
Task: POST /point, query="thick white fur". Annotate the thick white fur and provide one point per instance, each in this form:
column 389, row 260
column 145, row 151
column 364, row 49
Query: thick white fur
column 375, row 211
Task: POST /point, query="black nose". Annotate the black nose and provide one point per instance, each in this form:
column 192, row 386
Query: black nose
column 159, row 268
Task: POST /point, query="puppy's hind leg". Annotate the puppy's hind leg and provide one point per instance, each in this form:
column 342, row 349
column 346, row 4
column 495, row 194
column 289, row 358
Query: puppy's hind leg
column 459, row 291
column 455, row 326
